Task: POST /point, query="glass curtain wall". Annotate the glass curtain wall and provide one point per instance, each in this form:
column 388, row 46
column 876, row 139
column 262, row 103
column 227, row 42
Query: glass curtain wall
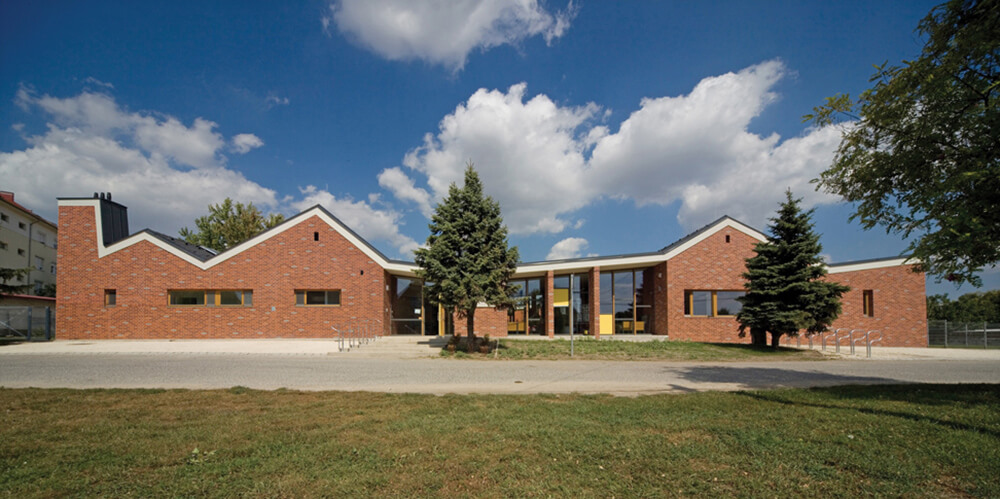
column 581, row 304
column 526, row 316
column 627, row 301
column 407, row 306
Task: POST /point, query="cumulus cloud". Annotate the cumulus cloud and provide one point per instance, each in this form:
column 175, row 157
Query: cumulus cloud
column 244, row 142
column 443, row 31
column 166, row 172
column 543, row 161
column 274, row 100
column 567, row 248
column 527, row 154
column 371, row 223
column 402, row 187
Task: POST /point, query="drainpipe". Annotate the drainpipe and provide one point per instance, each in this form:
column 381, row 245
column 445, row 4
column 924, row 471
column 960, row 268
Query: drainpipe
column 30, row 266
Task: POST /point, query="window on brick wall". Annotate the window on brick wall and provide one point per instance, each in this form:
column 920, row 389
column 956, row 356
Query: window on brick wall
column 211, row 298
column 110, row 297
column 317, row 297
column 868, row 303
column 712, row 303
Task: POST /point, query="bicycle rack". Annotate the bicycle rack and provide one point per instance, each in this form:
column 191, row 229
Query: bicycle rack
column 833, row 334
column 871, row 342
column 840, row 337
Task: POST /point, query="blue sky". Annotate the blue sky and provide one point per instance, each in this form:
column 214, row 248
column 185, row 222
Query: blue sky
column 601, row 128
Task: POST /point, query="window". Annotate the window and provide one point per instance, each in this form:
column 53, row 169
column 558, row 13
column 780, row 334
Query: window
column 868, row 303
column 22, row 226
column 712, row 303
column 20, row 252
column 41, row 237
column 4, row 217
column 110, row 297
column 186, row 298
column 727, row 238
column 315, row 236
column 211, row 298
column 53, row 269
column 317, row 298
column 39, row 263
column 3, row 246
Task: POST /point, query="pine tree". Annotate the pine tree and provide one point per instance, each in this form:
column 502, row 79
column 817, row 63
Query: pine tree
column 466, row 260
column 785, row 289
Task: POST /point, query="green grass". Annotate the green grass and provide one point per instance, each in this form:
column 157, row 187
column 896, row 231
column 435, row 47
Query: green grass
column 911, row 440
column 559, row 349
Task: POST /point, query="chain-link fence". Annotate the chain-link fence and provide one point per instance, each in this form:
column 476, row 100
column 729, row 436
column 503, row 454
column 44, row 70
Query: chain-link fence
column 963, row 334
column 27, row 323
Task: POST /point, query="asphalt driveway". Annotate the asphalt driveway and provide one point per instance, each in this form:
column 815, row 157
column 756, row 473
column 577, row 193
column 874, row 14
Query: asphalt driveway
column 440, row 376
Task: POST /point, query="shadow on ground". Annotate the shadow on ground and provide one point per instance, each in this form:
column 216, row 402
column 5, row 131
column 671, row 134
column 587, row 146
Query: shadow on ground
column 771, row 377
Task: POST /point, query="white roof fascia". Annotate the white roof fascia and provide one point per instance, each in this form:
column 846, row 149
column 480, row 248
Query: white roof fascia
column 103, row 251
column 854, row 267
column 596, row 262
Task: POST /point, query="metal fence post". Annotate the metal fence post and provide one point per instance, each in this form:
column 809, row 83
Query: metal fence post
column 29, row 323
column 966, row 334
column 984, row 334
column 946, row 333
column 48, row 324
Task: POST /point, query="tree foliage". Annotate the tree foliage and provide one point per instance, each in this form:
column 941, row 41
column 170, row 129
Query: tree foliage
column 228, row 224
column 466, row 260
column 970, row 307
column 920, row 154
column 8, row 278
column 785, row 292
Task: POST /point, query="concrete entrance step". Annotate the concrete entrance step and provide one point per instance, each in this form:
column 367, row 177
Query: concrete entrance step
column 400, row 347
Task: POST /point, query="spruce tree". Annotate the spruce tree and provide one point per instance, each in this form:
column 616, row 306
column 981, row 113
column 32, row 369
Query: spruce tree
column 466, row 260
column 786, row 292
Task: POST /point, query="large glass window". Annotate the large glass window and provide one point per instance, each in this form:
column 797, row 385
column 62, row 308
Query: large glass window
column 581, row 303
column 626, row 299
column 526, row 315
column 407, row 306
column 607, row 293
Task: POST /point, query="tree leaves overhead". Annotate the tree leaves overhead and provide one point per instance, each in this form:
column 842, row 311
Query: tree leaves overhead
column 466, row 260
column 921, row 153
column 785, row 289
column 228, row 224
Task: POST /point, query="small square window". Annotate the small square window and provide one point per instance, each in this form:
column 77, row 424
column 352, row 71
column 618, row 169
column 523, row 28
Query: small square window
column 3, row 246
column 4, row 217
column 110, row 297
column 20, row 252
column 22, row 226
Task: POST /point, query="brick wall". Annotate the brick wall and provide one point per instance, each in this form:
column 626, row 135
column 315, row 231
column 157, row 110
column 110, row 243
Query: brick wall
column 488, row 321
column 899, row 299
column 711, row 265
column 142, row 273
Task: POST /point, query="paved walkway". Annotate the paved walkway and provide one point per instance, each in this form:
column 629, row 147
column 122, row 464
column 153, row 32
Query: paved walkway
column 394, row 365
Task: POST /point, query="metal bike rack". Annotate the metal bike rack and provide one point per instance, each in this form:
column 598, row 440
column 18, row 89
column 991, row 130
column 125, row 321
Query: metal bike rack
column 870, row 341
column 828, row 334
column 851, row 338
column 340, row 338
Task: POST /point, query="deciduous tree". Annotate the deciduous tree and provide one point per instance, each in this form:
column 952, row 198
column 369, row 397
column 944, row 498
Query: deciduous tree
column 920, row 153
column 228, row 224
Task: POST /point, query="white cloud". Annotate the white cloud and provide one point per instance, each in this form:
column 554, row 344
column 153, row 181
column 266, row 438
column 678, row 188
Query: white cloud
column 371, row 223
column 444, row 31
column 567, row 248
column 95, row 81
column 527, row 155
column 402, row 187
column 543, row 161
column 274, row 100
column 244, row 142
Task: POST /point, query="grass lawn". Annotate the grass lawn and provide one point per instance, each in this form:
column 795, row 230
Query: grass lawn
column 589, row 348
column 913, row 440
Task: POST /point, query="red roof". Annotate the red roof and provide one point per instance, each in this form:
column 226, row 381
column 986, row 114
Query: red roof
column 9, row 198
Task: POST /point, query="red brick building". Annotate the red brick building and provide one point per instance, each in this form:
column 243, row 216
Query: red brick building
column 312, row 275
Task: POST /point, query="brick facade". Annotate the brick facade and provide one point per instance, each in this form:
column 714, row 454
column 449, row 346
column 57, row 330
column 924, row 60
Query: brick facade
column 142, row 274
column 310, row 253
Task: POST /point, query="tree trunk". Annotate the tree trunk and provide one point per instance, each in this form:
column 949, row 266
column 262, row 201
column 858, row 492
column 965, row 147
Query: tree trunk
column 775, row 340
column 758, row 337
column 470, row 335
